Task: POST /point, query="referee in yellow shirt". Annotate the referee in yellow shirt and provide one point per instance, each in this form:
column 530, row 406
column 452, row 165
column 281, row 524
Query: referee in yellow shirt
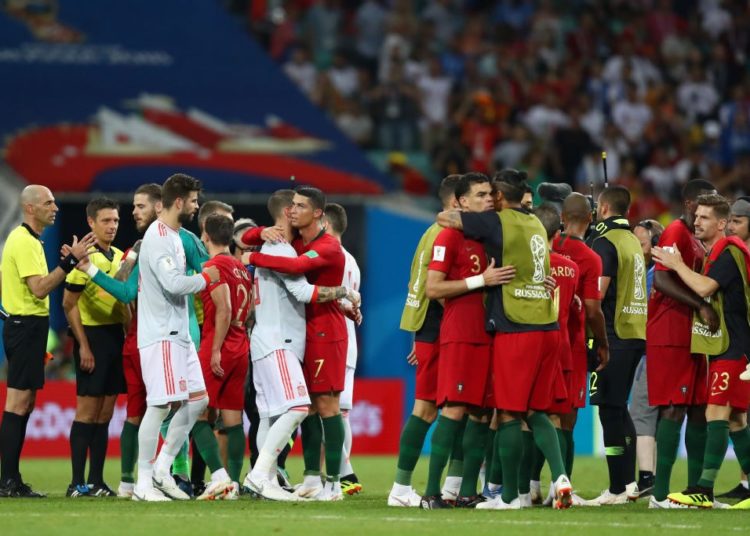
column 26, row 285
column 96, row 319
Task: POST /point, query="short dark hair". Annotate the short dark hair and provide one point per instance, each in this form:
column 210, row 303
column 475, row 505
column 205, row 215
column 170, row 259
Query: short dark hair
column 152, row 190
column 463, row 186
column 512, row 183
column 315, row 195
column 695, row 188
column 278, row 201
column 576, row 208
column 220, row 229
column 212, row 207
column 550, row 218
column 447, row 188
column 718, row 204
column 100, row 203
column 177, row 186
column 336, row 216
column 618, row 198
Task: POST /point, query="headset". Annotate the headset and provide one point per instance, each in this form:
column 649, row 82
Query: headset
column 652, row 231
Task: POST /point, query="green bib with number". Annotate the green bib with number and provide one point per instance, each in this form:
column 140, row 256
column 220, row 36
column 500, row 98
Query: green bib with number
column 416, row 305
column 525, row 300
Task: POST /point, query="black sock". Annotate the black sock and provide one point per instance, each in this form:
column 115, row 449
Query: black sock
column 81, row 434
column 281, row 460
column 198, row 467
column 12, row 434
column 252, row 437
column 613, row 431
column 98, row 448
column 630, row 447
column 644, row 476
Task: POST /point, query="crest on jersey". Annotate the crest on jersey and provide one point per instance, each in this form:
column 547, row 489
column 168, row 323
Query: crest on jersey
column 438, row 253
column 183, row 385
column 301, row 390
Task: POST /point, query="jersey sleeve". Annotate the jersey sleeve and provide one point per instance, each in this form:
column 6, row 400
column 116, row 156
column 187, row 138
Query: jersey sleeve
column 164, row 267
column 589, row 280
column 76, row 280
column 481, row 225
column 251, row 237
column 312, row 260
column 724, row 270
column 195, row 252
column 296, row 284
column 443, row 251
column 672, row 235
column 27, row 264
column 123, row 291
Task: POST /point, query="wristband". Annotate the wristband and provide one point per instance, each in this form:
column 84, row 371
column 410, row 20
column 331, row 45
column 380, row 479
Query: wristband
column 474, row 282
column 131, row 256
column 92, row 271
column 68, row 263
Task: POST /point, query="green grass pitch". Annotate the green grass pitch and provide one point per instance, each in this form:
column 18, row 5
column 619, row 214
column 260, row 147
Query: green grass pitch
column 363, row 515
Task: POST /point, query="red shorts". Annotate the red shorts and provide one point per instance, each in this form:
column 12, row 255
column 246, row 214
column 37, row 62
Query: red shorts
column 524, row 367
column 463, row 371
column 562, row 403
column 324, row 366
column 675, row 376
column 578, row 384
column 136, row 389
column 227, row 392
column 726, row 387
column 427, row 370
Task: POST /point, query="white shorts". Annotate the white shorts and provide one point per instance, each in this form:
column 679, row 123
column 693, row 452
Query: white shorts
column 170, row 372
column 347, row 395
column 279, row 383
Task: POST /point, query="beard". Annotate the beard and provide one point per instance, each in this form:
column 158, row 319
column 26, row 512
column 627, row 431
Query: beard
column 185, row 218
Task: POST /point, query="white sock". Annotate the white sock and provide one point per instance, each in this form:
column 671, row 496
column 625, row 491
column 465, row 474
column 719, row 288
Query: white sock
column 399, row 490
column 148, row 442
column 260, row 437
column 275, row 441
column 220, row 475
column 311, row 481
column 494, row 487
column 346, row 464
column 452, row 483
column 179, row 429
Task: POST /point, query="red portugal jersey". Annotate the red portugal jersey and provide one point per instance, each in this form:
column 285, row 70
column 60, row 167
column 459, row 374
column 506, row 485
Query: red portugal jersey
column 233, row 274
column 565, row 273
column 589, row 271
column 459, row 258
column 322, row 261
column 669, row 321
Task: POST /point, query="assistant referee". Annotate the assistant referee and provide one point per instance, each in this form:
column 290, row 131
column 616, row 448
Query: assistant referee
column 26, row 285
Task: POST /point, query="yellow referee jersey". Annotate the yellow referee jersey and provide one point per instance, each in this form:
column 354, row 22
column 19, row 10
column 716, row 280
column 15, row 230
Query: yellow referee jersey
column 23, row 256
column 97, row 306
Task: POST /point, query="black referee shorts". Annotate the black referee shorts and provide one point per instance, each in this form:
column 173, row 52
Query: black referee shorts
column 108, row 377
column 25, row 341
column 611, row 386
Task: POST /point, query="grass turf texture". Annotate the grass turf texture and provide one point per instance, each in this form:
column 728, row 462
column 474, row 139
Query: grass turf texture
column 362, row 515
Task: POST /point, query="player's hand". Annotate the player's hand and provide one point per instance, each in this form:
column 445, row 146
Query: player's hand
column 352, row 313
column 354, row 297
column 498, row 276
column 80, row 248
column 273, row 234
column 550, row 284
column 87, row 360
column 602, row 354
column 669, row 257
column 709, row 317
column 64, row 251
column 216, row 364
column 137, row 246
column 83, row 264
column 578, row 303
column 212, row 272
column 411, row 358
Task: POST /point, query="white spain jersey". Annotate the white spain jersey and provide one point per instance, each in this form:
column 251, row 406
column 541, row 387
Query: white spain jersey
column 351, row 281
column 163, row 288
column 279, row 307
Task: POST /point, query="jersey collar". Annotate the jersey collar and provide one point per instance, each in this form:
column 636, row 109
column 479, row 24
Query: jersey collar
column 109, row 255
column 32, row 232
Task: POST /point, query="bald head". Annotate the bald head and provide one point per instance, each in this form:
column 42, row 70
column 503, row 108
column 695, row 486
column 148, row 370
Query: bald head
column 39, row 208
column 34, row 193
column 576, row 208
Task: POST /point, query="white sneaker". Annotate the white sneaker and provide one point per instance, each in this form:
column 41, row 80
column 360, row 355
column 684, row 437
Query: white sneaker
column 125, row 490
column 609, row 498
column 267, row 490
column 632, row 491
column 331, row 491
column 215, row 491
column 666, row 504
column 312, row 485
column 563, row 493
column 498, row 504
column 536, row 492
column 525, row 500
column 232, row 493
column 550, row 500
column 745, row 374
column 720, row 505
column 166, row 484
column 410, row 499
column 150, row 495
column 580, row 501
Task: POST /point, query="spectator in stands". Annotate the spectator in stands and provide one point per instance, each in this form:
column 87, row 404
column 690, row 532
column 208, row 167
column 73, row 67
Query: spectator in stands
column 396, row 110
column 302, row 71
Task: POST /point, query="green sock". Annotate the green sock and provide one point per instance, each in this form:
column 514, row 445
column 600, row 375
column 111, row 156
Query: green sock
column 128, row 451
column 312, row 438
column 181, row 463
column 717, row 441
column 511, row 449
column 695, row 444
column 527, row 458
column 570, row 452
column 563, row 446
column 441, row 445
column 667, row 441
column 741, row 442
column 536, row 462
column 545, row 437
column 475, row 439
column 205, row 440
column 488, row 457
column 333, row 430
column 410, row 447
column 496, row 476
column 456, row 464
column 235, row 451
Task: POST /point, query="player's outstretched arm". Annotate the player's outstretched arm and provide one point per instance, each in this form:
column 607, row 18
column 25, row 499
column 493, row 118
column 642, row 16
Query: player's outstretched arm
column 702, row 285
column 289, row 265
column 177, row 283
column 450, row 219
